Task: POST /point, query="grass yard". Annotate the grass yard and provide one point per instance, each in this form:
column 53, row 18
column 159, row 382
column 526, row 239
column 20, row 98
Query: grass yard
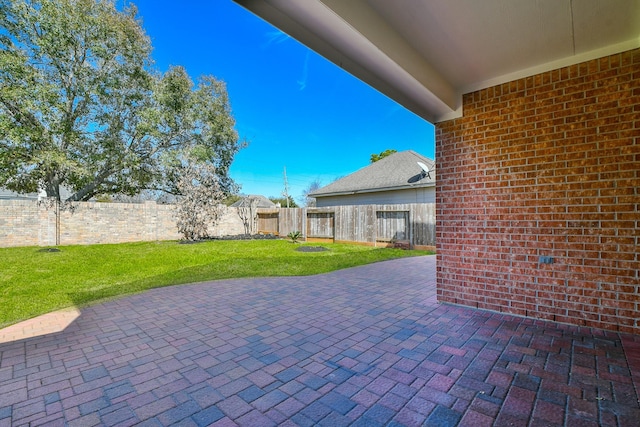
column 33, row 282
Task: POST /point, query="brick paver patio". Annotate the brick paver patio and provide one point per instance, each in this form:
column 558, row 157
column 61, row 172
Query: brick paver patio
column 366, row 346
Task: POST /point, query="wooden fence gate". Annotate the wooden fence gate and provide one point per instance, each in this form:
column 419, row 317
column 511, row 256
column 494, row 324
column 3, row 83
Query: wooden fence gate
column 320, row 226
column 268, row 222
column 392, row 226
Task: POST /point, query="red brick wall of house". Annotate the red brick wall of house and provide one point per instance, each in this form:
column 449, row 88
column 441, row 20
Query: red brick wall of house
column 548, row 165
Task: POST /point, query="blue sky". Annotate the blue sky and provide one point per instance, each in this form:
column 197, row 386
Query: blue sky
column 296, row 109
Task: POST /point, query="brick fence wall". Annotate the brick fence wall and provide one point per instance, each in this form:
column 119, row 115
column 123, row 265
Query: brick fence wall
column 545, row 166
column 27, row 223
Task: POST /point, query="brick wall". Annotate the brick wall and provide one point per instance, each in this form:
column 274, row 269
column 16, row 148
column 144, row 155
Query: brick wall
column 27, row 223
column 90, row 223
column 548, row 165
column 24, row 223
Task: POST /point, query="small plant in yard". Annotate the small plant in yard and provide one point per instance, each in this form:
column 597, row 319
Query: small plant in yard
column 295, row 236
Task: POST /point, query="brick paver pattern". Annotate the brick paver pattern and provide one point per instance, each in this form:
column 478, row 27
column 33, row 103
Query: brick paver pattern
column 367, row 346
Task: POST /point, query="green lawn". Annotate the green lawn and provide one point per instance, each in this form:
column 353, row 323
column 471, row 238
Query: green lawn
column 33, row 282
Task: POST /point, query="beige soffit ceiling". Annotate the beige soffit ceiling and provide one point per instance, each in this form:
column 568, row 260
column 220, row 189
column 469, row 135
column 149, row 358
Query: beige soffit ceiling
column 425, row 54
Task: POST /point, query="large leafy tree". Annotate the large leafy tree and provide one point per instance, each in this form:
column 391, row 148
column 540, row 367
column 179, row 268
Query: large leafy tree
column 375, row 157
column 81, row 107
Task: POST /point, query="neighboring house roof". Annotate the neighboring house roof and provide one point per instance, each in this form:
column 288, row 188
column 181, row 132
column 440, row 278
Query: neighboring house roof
column 263, row 202
column 11, row 195
column 394, row 172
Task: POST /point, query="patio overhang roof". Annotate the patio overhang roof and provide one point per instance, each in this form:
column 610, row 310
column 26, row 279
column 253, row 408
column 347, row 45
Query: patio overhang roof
column 425, row 54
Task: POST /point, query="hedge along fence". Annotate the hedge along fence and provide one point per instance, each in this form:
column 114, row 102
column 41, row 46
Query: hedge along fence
column 405, row 225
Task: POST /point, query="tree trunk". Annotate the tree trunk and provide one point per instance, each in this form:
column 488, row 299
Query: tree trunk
column 52, row 187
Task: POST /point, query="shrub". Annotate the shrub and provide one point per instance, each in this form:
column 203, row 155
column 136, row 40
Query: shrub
column 295, row 236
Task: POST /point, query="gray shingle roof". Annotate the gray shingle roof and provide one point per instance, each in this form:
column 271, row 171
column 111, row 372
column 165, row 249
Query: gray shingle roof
column 263, row 202
column 397, row 171
column 8, row 194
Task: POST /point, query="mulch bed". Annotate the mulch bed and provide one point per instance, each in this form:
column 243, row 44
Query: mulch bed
column 247, row 237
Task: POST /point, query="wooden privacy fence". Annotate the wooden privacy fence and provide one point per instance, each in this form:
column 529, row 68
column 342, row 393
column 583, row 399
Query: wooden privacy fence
column 406, row 225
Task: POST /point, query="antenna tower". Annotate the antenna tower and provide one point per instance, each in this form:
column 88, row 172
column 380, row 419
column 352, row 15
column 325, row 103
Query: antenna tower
column 285, row 193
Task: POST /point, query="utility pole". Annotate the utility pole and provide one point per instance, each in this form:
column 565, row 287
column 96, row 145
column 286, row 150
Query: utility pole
column 285, row 193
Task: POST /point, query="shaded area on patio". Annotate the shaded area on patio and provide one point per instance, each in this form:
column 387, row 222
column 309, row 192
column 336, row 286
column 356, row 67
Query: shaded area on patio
column 364, row 346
